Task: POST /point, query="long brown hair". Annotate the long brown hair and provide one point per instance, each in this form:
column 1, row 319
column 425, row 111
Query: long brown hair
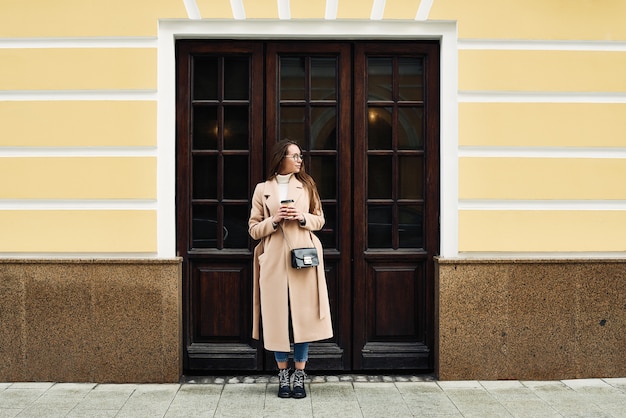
column 277, row 155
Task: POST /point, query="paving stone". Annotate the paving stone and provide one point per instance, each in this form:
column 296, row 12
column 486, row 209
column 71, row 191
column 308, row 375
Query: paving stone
column 328, row 396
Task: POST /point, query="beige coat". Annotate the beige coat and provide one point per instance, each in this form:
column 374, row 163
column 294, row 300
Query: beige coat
column 277, row 285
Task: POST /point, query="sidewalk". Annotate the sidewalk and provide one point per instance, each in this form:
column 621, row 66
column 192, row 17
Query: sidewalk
column 328, row 396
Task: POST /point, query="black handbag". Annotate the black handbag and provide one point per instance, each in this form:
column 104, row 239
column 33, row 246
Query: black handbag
column 304, row 257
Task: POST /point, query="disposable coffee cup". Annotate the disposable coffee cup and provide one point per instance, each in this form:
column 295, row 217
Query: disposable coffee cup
column 287, row 202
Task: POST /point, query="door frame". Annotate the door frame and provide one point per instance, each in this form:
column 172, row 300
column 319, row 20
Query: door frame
column 165, row 96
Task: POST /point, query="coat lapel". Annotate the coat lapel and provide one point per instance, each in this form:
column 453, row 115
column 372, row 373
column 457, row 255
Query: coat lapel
column 272, row 197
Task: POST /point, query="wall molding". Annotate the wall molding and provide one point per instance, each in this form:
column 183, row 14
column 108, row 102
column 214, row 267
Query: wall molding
column 541, row 45
column 56, row 152
column 79, row 95
column 77, row 204
column 542, row 205
column 172, row 29
column 80, row 42
column 466, row 96
column 542, row 152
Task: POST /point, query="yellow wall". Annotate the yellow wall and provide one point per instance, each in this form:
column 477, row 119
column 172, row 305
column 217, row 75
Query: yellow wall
column 544, row 70
column 77, row 231
column 310, row 9
column 77, row 69
column 535, row 19
column 542, row 124
column 78, row 124
column 70, row 18
column 215, row 9
column 261, row 9
column 542, row 178
column 78, row 178
column 400, row 9
column 541, row 231
column 354, row 9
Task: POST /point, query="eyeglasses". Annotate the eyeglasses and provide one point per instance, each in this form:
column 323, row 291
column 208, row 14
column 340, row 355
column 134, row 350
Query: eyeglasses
column 296, row 157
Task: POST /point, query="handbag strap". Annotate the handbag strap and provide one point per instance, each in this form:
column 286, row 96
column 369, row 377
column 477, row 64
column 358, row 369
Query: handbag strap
column 287, row 240
column 285, row 237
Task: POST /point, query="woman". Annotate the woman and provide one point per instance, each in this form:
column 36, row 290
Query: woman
column 283, row 295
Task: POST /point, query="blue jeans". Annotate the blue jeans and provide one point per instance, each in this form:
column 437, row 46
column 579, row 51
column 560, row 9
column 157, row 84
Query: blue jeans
column 300, row 353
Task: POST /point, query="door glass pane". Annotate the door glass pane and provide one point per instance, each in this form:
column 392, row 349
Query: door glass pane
column 410, row 173
column 379, row 177
column 236, row 75
column 410, row 228
column 205, row 78
column 411, row 128
column 379, row 79
column 236, row 127
column 323, row 169
column 204, row 228
column 204, row 127
column 292, row 122
column 236, row 226
column 323, row 128
column 292, row 78
column 379, row 224
column 323, row 79
column 379, row 123
column 235, row 176
column 410, row 79
column 204, row 177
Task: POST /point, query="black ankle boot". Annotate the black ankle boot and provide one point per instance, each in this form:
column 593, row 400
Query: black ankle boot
column 284, row 388
column 298, row 384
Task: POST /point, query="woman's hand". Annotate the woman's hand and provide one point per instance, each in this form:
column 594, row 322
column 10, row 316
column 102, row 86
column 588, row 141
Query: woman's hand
column 289, row 213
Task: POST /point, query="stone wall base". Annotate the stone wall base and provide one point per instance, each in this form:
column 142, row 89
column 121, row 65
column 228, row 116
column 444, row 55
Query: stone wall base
column 99, row 321
column 530, row 319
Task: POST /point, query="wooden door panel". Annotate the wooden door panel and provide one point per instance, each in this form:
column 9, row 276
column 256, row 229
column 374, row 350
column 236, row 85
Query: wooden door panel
column 221, row 317
column 393, row 295
column 394, row 321
column 219, row 293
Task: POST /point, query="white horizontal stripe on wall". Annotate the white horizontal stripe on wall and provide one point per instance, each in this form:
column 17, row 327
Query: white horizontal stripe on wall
column 540, row 45
column 76, row 256
column 534, row 256
column 56, row 152
column 80, row 95
column 77, row 204
column 539, row 97
column 90, row 42
column 600, row 205
column 541, row 152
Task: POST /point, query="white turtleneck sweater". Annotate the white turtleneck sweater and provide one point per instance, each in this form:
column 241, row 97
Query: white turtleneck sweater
column 283, row 185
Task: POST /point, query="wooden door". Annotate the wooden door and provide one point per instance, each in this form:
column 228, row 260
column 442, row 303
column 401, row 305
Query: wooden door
column 366, row 115
column 396, row 204
column 308, row 100
column 219, row 159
